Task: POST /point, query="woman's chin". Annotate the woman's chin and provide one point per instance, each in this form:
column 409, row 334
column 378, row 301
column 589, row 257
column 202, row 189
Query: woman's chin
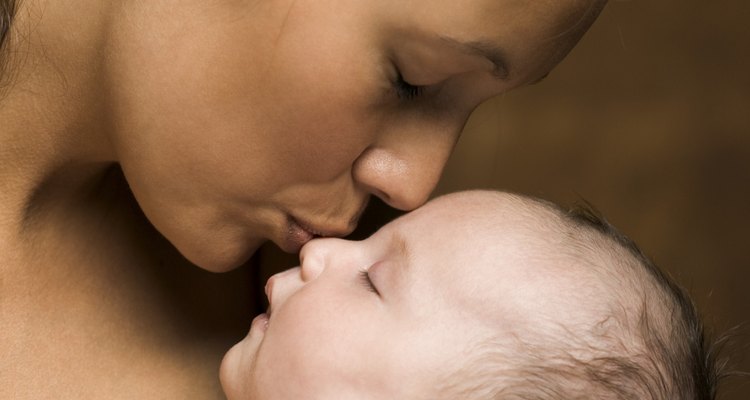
column 219, row 258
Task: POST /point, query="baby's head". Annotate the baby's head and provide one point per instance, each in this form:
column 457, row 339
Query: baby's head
column 477, row 295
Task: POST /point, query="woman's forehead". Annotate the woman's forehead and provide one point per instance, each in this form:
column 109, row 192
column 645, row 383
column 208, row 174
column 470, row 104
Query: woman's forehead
column 493, row 15
column 534, row 35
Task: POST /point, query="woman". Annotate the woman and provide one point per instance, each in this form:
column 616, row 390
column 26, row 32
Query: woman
column 233, row 123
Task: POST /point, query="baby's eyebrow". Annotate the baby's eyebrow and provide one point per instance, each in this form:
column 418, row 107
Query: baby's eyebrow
column 482, row 48
column 401, row 245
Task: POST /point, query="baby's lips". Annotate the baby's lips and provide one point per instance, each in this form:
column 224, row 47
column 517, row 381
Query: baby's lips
column 272, row 281
column 261, row 321
column 269, row 288
column 269, row 292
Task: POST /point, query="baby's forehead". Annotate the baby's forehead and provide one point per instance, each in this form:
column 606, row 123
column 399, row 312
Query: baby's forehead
column 485, row 213
column 491, row 231
column 521, row 254
column 482, row 232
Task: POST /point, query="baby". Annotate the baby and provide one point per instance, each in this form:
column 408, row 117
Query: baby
column 477, row 295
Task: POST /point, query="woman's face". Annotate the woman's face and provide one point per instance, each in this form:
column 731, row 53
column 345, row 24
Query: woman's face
column 238, row 122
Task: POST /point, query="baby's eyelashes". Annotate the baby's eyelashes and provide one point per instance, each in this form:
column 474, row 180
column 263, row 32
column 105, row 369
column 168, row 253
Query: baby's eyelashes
column 364, row 279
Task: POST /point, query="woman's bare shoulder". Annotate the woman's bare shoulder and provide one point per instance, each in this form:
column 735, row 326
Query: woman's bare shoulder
column 134, row 331
column 96, row 304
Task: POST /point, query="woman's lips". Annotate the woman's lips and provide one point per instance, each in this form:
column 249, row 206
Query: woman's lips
column 296, row 236
column 300, row 232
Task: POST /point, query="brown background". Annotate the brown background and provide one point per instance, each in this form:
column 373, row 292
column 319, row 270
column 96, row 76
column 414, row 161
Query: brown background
column 649, row 120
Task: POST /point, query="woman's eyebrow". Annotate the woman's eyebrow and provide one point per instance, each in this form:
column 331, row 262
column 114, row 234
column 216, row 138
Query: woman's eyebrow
column 481, row 48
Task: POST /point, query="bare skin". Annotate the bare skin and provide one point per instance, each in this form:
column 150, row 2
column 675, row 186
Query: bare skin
column 229, row 119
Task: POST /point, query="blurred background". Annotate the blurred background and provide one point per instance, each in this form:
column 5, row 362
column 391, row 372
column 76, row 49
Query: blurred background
column 649, row 120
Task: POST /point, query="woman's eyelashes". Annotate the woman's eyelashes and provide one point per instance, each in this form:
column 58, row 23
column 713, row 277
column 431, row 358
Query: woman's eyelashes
column 405, row 90
column 364, row 278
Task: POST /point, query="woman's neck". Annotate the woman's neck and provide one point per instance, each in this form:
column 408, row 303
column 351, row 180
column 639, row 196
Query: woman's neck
column 54, row 110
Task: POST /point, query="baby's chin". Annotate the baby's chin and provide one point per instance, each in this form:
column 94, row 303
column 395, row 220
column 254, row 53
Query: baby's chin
column 235, row 381
column 237, row 371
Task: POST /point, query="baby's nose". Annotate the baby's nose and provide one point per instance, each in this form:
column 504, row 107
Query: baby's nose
column 314, row 256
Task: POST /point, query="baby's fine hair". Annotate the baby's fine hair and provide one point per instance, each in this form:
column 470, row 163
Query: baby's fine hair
column 653, row 347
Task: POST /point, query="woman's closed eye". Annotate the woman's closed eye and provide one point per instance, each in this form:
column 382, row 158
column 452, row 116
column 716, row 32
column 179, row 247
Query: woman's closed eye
column 405, row 90
column 364, row 279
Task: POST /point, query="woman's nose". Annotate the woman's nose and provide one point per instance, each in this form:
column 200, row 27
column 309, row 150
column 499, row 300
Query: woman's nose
column 402, row 179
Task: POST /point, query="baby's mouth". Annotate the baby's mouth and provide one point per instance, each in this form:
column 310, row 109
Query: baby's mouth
column 269, row 295
column 260, row 322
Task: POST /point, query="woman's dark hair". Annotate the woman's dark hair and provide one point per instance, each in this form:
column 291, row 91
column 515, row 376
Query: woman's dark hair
column 7, row 12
